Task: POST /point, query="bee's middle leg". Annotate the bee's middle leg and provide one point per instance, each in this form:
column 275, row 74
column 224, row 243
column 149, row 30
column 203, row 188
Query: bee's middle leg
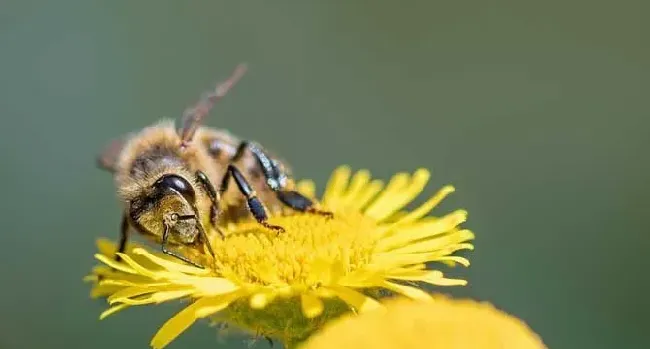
column 254, row 204
column 275, row 180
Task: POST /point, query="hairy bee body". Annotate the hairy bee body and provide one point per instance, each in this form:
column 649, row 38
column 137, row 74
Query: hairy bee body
column 174, row 182
column 155, row 151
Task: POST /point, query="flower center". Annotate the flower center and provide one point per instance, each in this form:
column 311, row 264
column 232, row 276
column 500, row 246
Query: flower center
column 303, row 255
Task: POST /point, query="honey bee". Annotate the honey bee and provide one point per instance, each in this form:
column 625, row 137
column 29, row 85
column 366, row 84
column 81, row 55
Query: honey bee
column 165, row 177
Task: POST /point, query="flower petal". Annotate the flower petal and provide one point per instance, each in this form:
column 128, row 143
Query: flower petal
column 106, row 247
column 179, row 323
column 436, row 243
column 399, row 195
column 112, row 310
column 218, row 304
column 139, row 268
column 261, row 299
column 129, row 292
column 207, row 286
column 306, row 187
column 432, row 277
column 366, row 195
column 408, row 291
column 357, row 300
column 169, row 265
column 385, row 204
column 427, row 206
column 357, row 184
column 115, row 264
column 404, row 235
column 336, row 186
column 155, row 297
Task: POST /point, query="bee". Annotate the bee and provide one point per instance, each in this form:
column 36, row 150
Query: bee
column 175, row 183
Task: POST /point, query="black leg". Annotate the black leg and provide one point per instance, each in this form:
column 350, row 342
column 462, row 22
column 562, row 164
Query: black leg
column 124, row 236
column 212, row 193
column 275, row 179
column 269, row 170
column 255, row 206
column 269, row 340
column 299, row 202
column 164, row 249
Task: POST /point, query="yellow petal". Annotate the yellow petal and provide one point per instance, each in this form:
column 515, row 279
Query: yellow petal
column 179, row 323
column 139, row 268
column 408, row 291
column 453, row 239
column 169, row 265
column 445, row 282
column 208, row 286
column 129, row 283
column 357, row 184
column 114, row 264
column 427, row 206
column 413, row 274
column 366, row 195
column 129, row 292
column 106, row 247
column 261, row 299
column 307, row 188
column 312, row 306
column 387, row 260
column 433, row 277
column 405, row 235
column 336, row 186
column 460, row 260
column 156, row 298
column 103, row 291
column 218, row 304
column 112, row 310
column 357, row 300
column 385, row 203
column 399, row 196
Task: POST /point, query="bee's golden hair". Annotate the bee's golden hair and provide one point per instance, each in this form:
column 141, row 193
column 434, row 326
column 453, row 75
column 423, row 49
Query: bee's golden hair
column 162, row 134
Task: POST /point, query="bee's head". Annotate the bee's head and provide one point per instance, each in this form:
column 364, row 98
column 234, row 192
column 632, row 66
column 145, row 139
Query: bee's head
column 169, row 207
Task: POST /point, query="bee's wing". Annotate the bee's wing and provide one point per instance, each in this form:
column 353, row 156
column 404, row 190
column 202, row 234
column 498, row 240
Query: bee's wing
column 107, row 159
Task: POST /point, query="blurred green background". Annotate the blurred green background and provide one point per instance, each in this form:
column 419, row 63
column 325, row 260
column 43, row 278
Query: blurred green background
column 538, row 112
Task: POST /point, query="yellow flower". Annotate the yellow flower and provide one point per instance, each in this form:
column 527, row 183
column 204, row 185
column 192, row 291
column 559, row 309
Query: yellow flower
column 286, row 286
column 444, row 323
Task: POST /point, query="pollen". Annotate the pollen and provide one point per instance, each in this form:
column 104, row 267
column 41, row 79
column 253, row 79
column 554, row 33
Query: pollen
column 252, row 254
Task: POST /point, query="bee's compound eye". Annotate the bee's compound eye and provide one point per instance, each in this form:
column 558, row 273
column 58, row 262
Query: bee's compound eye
column 177, row 183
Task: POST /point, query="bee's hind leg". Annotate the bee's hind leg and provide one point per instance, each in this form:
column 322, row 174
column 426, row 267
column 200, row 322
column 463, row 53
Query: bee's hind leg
column 276, row 180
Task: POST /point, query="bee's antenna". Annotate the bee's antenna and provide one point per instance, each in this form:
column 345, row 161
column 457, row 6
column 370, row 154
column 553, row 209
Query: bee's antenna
column 193, row 116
